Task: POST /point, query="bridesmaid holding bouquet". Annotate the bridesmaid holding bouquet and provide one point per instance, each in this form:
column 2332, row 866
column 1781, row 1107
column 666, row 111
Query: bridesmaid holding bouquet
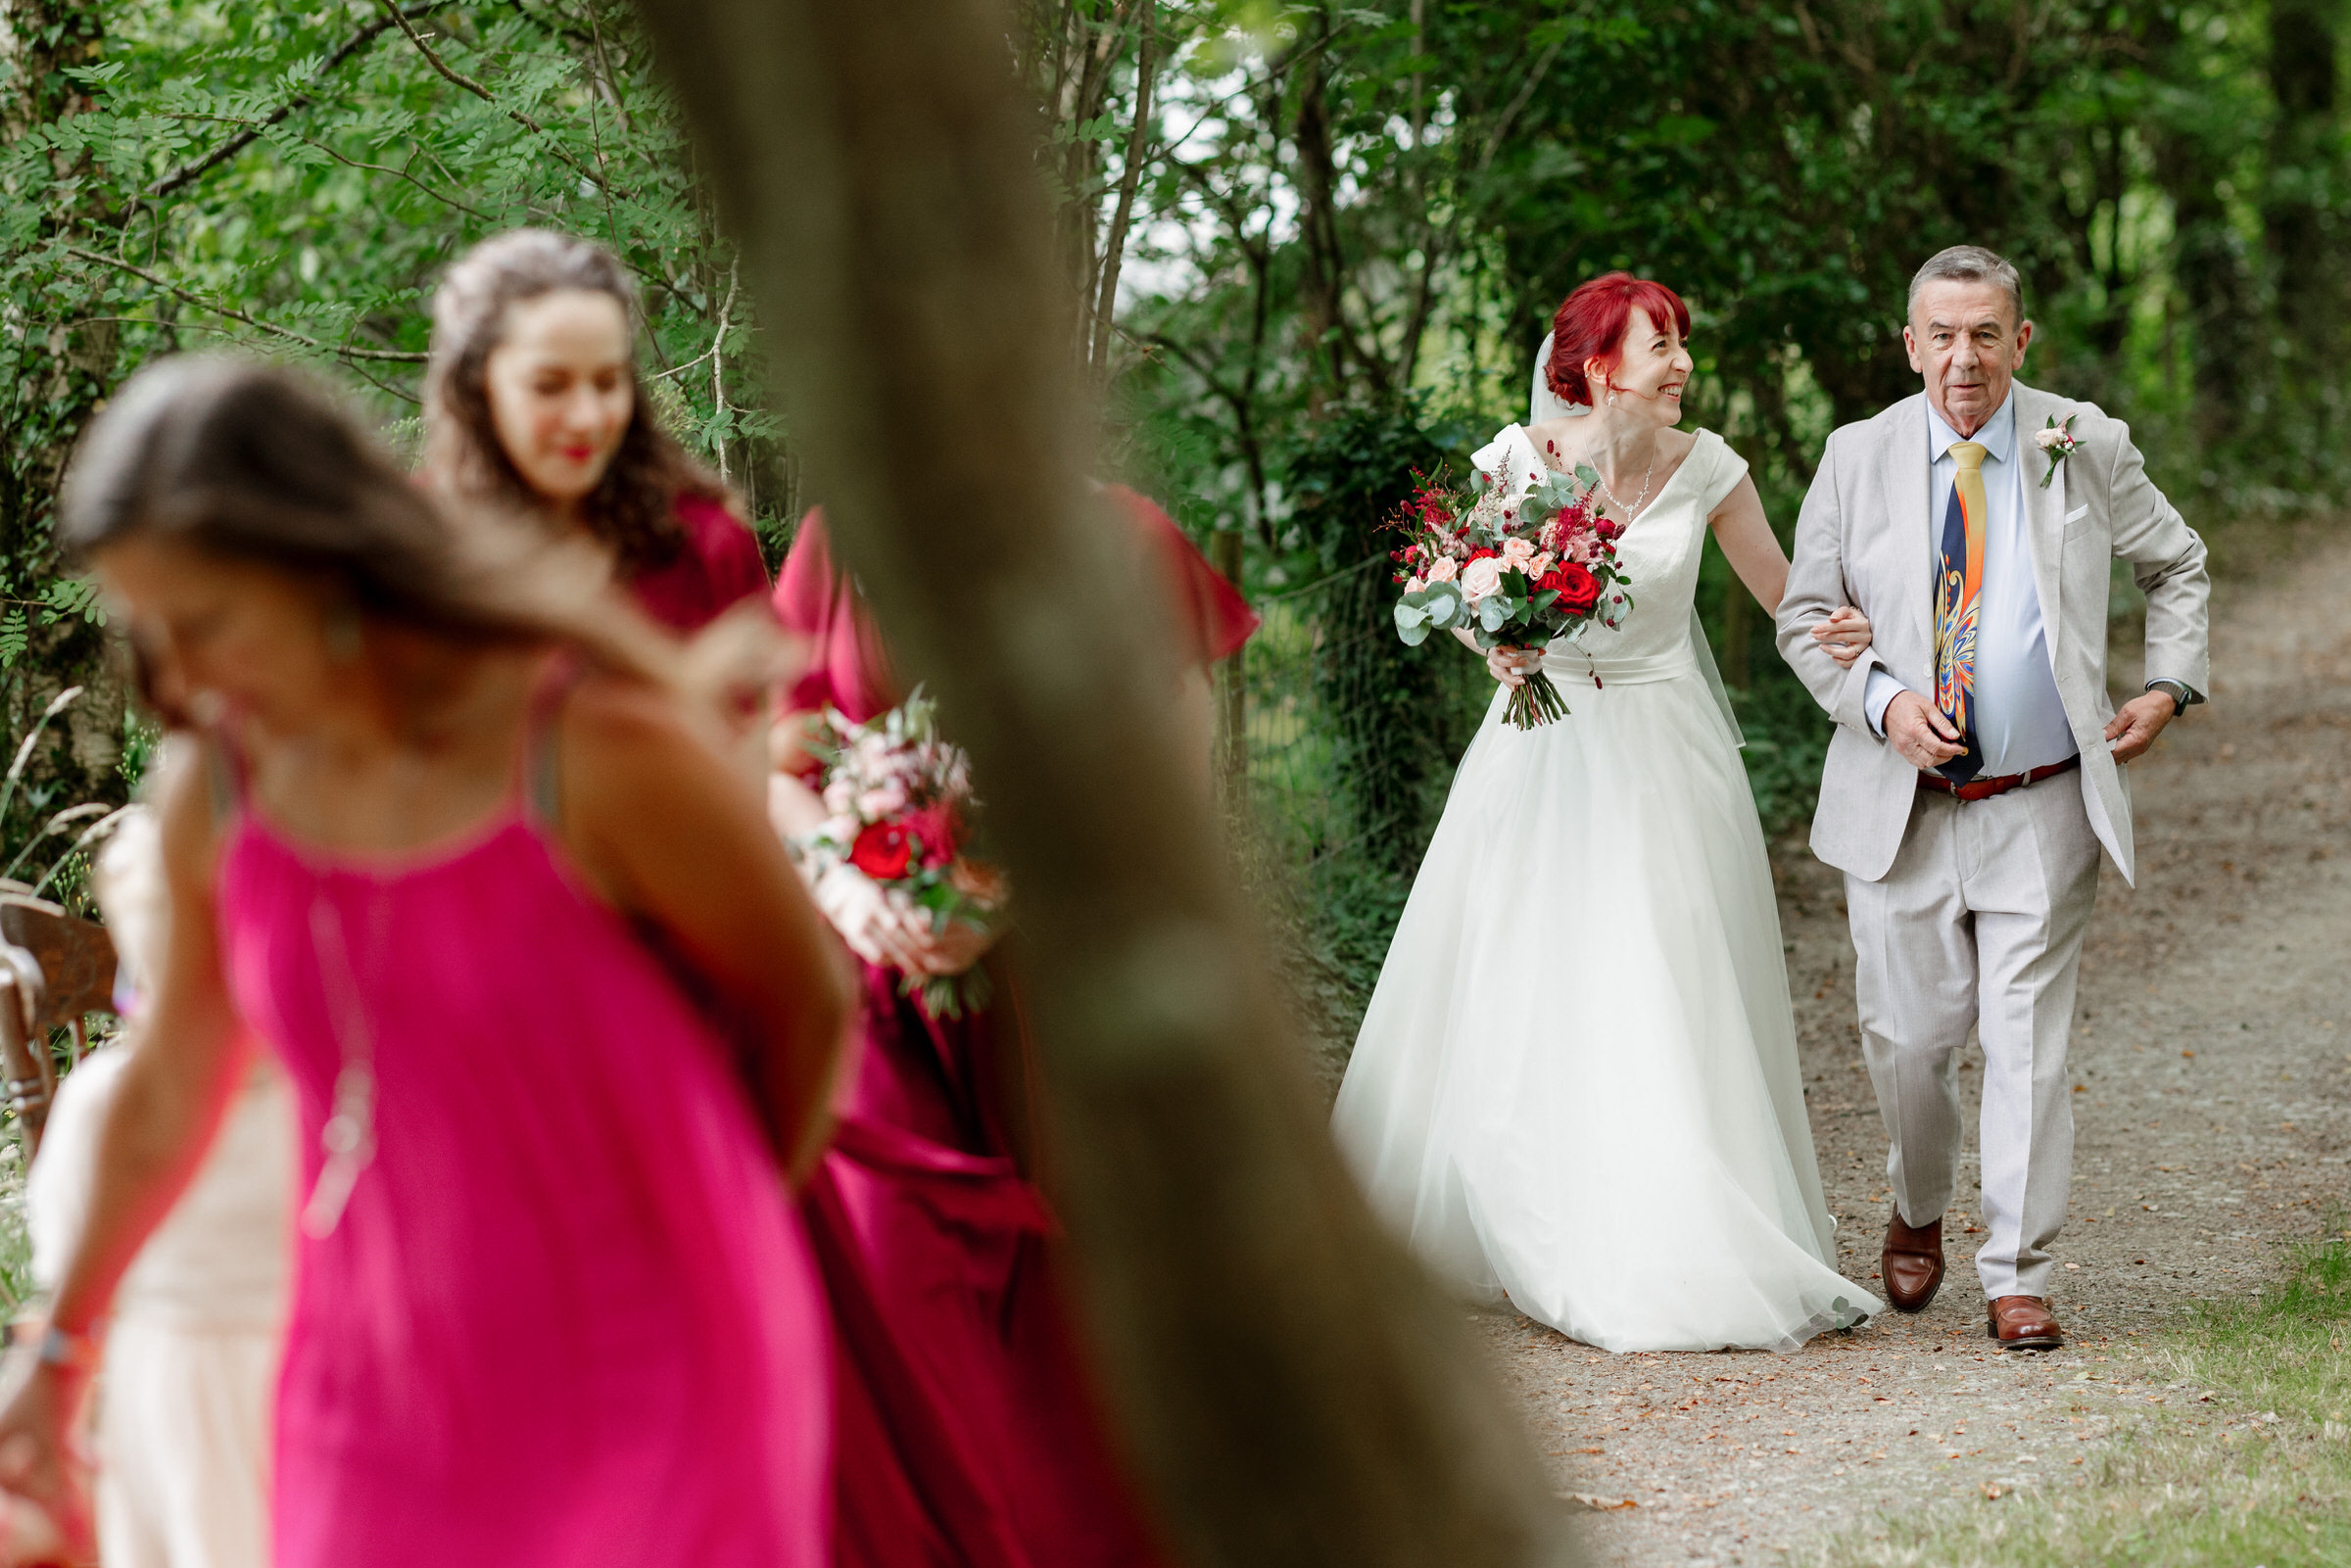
column 967, row 1431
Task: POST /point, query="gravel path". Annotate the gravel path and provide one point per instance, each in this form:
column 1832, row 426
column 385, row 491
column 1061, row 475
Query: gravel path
column 2212, row 1063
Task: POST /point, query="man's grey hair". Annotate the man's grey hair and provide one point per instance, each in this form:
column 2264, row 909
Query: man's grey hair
column 1968, row 263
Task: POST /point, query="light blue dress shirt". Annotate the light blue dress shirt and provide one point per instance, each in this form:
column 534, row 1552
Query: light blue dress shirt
column 2020, row 721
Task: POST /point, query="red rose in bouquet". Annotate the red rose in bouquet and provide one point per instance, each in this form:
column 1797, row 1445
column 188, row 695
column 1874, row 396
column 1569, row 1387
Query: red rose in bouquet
column 883, row 850
column 1577, row 587
column 1518, row 561
column 896, row 800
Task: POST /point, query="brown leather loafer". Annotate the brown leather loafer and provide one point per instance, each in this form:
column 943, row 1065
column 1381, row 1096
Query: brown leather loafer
column 2023, row 1323
column 1911, row 1265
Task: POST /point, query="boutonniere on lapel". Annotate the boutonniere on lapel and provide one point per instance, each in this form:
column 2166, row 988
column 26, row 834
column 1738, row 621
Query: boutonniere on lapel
column 2057, row 443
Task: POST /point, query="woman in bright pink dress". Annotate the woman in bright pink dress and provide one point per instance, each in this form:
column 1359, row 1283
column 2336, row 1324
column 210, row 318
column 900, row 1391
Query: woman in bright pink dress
column 520, row 938
column 533, row 403
column 967, row 1431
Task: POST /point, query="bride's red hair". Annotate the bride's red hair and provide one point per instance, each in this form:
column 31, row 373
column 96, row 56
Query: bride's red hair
column 1591, row 322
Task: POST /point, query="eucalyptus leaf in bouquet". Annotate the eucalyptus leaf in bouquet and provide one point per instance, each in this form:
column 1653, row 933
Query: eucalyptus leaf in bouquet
column 1518, row 558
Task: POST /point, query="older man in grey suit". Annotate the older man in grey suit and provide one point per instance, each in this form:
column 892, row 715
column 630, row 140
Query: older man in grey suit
column 1977, row 766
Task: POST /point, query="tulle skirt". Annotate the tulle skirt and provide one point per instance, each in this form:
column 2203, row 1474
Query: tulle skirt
column 1576, row 1085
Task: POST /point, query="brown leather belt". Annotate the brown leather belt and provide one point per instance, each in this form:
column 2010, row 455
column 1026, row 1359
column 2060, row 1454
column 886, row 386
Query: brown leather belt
column 1985, row 789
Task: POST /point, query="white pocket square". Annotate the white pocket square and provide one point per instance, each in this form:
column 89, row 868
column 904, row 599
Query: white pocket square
column 2076, row 514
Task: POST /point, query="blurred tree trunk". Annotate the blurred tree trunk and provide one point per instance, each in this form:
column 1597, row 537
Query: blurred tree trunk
column 63, row 369
column 1293, row 1392
column 2304, row 160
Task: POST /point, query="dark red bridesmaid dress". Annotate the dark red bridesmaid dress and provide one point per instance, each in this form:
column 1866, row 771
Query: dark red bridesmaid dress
column 966, row 1432
column 715, row 568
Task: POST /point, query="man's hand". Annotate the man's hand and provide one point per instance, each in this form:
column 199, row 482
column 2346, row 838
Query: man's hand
column 2135, row 725
column 1924, row 736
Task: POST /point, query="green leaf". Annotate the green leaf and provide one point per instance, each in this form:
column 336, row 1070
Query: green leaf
column 70, row 597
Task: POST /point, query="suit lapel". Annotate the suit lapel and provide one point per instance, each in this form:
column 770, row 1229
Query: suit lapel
column 1902, row 452
column 2045, row 510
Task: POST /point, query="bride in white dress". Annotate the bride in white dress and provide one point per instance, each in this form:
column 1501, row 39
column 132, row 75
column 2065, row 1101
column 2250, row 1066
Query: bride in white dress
column 1576, row 1085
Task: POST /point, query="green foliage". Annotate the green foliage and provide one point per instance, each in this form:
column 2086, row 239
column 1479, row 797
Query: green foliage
column 1301, row 214
column 292, row 180
column 1397, row 721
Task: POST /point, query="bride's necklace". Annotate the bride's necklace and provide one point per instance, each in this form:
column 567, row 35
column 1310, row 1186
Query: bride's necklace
column 1634, row 511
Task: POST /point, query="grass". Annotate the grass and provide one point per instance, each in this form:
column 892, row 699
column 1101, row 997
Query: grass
column 2257, row 1478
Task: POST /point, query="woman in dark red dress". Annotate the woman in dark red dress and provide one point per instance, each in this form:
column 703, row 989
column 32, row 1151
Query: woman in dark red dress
column 966, row 1431
column 533, row 403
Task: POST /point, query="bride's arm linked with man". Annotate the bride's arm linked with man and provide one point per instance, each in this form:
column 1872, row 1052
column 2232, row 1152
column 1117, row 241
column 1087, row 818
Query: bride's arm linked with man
column 1977, row 772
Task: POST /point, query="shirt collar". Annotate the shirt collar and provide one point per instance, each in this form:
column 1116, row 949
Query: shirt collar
column 1998, row 435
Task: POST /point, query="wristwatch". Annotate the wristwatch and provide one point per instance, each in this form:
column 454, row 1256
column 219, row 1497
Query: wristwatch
column 52, row 1346
column 71, row 1352
column 2183, row 697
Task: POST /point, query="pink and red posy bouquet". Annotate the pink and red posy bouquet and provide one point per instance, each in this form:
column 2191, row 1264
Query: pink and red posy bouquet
column 1518, row 558
column 895, row 797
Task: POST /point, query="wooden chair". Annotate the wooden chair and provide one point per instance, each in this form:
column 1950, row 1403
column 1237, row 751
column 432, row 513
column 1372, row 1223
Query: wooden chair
column 55, row 970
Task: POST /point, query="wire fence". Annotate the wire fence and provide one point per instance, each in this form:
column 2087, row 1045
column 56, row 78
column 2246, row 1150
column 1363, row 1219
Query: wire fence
column 1280, row 742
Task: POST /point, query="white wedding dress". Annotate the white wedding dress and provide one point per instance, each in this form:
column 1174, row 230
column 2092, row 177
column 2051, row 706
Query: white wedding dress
column 1576, row 1085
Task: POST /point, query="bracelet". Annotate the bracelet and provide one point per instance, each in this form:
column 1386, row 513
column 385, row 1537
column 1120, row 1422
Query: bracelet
column 56, row 1347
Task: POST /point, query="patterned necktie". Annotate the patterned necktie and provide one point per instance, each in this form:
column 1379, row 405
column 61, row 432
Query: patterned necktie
column 1958, row 598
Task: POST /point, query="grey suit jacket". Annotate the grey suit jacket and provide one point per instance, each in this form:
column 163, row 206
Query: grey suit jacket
column 1863, row 539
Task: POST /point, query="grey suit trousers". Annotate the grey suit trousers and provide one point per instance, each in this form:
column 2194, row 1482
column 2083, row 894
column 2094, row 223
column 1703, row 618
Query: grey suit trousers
column 1979, row 921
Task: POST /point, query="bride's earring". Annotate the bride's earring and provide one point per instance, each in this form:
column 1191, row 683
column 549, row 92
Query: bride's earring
column 1611, row 396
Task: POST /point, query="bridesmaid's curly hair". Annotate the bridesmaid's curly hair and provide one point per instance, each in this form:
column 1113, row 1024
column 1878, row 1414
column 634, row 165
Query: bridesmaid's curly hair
column 632, row 509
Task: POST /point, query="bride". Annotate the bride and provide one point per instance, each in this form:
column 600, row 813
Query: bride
column 1576, row 1085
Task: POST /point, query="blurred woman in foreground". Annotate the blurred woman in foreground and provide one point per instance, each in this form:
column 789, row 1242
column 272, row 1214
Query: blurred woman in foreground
column 515, row 931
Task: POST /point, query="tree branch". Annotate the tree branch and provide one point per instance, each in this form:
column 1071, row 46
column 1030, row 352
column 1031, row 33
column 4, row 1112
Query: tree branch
column 458, row 79
column 351, row 163
column 1534, row 79
column 189, row 172
column 340, row 351
column 1114, row 248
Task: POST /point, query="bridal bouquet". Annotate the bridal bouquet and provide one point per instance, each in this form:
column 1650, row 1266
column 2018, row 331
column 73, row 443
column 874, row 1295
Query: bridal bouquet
column 1518, row 559
column 895, row 797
